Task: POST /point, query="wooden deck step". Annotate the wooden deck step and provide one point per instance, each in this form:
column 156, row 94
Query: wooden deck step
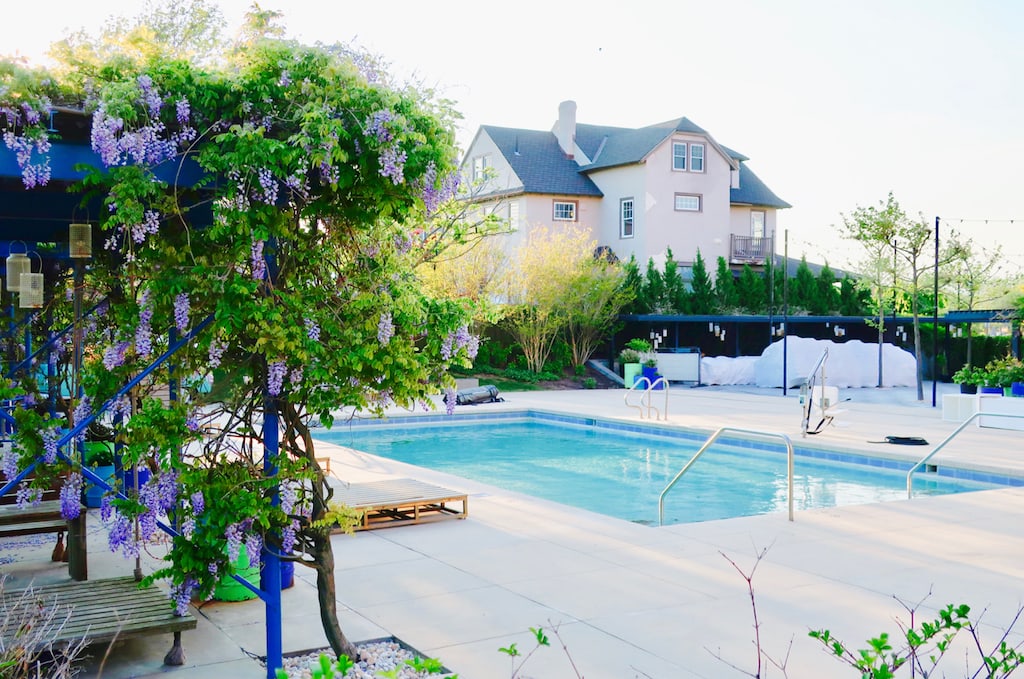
column 397, row 502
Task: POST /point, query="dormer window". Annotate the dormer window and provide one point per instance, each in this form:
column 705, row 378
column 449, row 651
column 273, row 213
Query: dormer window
column 687, row 157
column 480, row 163
column 696, row 157
column 679, row 156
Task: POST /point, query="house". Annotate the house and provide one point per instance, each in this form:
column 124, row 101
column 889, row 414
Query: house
column 640, row 191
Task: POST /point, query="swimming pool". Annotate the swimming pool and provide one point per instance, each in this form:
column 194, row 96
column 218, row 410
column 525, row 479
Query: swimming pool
column 619, row 469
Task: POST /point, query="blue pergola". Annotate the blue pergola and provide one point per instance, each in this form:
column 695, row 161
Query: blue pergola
column 38, row 220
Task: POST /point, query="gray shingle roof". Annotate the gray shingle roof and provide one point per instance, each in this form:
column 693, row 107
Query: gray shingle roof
column 625, row 146
column 753, row 191
column 539, row 162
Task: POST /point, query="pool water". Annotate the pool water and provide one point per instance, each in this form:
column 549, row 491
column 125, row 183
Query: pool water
column 621, row 473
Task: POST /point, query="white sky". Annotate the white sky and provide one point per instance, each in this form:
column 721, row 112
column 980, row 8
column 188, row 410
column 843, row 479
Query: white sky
column 836, row 104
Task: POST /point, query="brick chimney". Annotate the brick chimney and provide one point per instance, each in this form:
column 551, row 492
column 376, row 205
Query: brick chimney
column 565, row 128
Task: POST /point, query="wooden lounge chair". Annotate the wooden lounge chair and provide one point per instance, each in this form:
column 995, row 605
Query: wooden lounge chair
column 397, row 502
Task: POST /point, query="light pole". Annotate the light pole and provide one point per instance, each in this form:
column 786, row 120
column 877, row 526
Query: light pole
column 935, row 317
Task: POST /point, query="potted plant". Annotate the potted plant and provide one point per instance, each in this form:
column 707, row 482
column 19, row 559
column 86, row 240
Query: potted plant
column 1011, row 376
column 630, row 361
column 968, row 378
column 650, row 370
column 993, row 377
column 98, row 456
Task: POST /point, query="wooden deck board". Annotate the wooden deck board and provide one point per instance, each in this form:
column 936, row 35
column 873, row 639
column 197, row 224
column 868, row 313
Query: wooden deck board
column 398, row 502
column 101, row 610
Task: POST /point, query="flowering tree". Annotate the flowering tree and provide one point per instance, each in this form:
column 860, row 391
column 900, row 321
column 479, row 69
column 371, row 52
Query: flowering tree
column 283, row 278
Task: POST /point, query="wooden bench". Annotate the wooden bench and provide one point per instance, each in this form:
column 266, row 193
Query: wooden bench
column 101, row 611
column 42, row 518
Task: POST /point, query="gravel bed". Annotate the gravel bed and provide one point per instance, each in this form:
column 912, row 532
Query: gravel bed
column 373, row 657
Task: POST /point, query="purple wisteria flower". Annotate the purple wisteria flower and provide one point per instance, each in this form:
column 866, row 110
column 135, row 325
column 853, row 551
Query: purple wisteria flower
column 216, row 352
column 182, row 111
column 275, row 377
column 143, row 333
column 149, row 226
column 268, row 185
column 192, row 421
column 198, row 505
column 392, row 164
column 181, row 311
column 150, row 97
column 457, row 340
column 8, row 462
column 120, row 535
column 182, row 595
column 32, row 174
column 49, row 446
column 82, row 411
column 385, row 329
column 376, row 125
column 295, row 376
column 113, row 356
column 71, row 496
column 449, row 400
column 259, row 264
column 312, row 329
column 253, row 547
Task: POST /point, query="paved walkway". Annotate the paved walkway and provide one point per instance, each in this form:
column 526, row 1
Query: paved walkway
column 634, row 601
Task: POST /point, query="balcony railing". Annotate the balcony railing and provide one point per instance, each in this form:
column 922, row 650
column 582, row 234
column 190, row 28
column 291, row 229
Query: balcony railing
column 750, row 249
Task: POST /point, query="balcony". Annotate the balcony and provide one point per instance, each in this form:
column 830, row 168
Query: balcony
column 754, row 250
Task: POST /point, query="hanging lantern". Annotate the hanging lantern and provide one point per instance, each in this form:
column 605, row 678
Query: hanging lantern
column 17, row 264
column 31, row 291
column 80, row 241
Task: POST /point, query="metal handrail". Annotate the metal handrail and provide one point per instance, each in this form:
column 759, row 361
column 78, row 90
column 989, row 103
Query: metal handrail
column 921, row 463
column 707, row 444
column 645, row 398
column 809, row 386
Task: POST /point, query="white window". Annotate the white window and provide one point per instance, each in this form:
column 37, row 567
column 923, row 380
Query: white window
column 480, row 163
column 564, row 211
column 696, row 157
column 687, row 202
column 679, row 156
column 626, row 218
column 757, row 224
column 513, row 216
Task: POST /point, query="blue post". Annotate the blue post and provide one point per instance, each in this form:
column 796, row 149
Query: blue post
column 271, row 561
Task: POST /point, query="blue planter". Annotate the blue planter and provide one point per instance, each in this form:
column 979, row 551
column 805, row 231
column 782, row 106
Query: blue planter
column 652, row 375
column 287, row 575
column 990, row 390
column 1017, row 389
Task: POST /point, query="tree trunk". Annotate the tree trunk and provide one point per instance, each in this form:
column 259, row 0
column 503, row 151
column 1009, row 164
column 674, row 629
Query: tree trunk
column 326, row 592
column 881, row 343
column 318, row 540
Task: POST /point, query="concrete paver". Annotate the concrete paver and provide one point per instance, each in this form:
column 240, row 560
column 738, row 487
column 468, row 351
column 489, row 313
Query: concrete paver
column 642, row 601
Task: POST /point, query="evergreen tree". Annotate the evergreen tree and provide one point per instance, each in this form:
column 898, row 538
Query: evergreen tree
column 702, row 297
column 725, row 288
column 851, row 298
column 676, row 297
column 654, row 289
column 803, row 294
column 751, row 291
column 828, row 295
column 634, row 281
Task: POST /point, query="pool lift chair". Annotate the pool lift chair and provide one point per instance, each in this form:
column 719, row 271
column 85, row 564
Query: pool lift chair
column 818, row 402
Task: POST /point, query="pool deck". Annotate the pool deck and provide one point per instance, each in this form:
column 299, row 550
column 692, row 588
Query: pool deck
column 634, row 601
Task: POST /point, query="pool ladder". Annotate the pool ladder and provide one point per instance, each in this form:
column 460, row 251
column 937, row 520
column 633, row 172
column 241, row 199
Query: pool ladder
column 936, row 449
column 707, row 444
column 646, row 398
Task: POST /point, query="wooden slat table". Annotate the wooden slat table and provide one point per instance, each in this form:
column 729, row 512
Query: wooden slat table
column 398, row 502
